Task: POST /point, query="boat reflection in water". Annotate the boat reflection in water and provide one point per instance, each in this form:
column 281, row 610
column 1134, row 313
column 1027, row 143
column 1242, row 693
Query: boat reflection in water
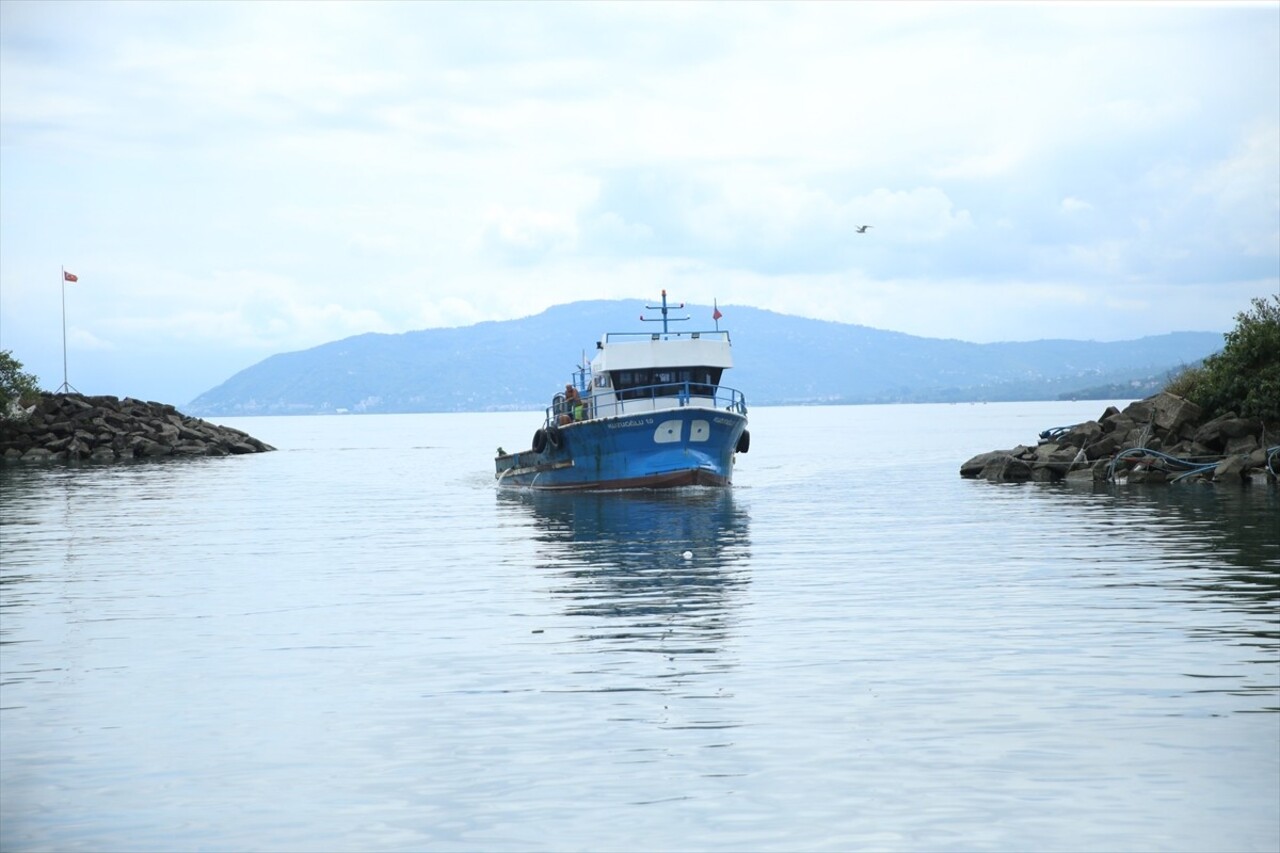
column 654, row 571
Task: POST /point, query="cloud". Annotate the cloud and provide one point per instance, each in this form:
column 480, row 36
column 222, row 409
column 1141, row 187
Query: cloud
column 753, row 219
column 83, row 339
column 1245, row 189
column 526, row 236
column 249, row 178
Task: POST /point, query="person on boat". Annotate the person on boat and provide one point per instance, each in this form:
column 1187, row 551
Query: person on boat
column 572, row 402
column 565, row 405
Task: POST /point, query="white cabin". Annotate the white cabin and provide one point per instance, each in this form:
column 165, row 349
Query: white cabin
column 634, row 372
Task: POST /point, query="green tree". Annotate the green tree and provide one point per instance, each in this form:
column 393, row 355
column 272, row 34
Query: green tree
column 1245, row 376
column 16, row 386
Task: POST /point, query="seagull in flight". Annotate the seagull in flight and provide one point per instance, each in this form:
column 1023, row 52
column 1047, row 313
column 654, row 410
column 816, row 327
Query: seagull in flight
column 862, row 229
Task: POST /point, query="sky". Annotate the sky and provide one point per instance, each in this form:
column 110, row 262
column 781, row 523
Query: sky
column 233, row 180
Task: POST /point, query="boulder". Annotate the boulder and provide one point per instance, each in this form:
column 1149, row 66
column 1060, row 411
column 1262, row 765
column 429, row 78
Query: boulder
column 148, row 448
column 1059, row 461
column 1080, row 475
column 1117, row 422
column 1006, row 468
column 1217, row 432
column 1230, row 469
column 1081, row 435
column 1138, row 411
column 1171, row 411
column 73, row 427
column 1104, row 447
column 974, row 467
column 1241, row 445
column 1156, row 440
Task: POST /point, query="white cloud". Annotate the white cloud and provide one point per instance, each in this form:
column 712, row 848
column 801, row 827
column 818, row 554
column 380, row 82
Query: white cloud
column 922, row 214
column 1245, row 187
column 525, row 236
column 262, row 177
column 83, row 339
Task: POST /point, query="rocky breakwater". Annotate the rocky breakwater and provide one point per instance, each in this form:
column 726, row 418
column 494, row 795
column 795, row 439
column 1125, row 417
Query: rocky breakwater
column 78, row 428
column 1160, row 439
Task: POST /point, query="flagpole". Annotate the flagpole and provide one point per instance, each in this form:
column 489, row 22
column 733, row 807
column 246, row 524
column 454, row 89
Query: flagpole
column 63, row 279
column 65, row 387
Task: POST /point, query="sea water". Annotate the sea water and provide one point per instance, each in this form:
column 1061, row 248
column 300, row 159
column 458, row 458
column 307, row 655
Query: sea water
column 357, row 643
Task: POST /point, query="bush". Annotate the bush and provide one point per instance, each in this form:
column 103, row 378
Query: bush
column 16, row 386
column 1245, row 376
column 1185, row 381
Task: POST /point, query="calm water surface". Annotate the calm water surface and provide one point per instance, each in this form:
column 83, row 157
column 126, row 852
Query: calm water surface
column 356, row 643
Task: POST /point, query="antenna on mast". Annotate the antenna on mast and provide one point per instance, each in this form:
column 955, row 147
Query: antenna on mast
column 663, row 308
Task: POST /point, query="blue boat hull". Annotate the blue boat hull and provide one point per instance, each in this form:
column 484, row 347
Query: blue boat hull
column 659, row 449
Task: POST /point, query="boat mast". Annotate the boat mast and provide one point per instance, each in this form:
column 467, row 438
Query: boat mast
column 663, row 308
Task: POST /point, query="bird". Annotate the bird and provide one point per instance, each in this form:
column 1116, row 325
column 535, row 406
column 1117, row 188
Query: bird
column 862, row 229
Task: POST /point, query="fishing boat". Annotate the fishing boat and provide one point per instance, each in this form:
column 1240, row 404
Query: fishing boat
column 648, row 412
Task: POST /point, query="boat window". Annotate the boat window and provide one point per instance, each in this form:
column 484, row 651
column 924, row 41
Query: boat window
column 666, row 382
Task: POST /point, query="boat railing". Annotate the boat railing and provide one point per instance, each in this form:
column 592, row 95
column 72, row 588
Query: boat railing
column 708, row 334
column 647, row 398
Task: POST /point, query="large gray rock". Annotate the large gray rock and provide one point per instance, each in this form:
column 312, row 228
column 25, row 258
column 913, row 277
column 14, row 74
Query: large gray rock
column 1241, row 445
column 1136, row 445
column 1171, row 411
column 1104, row 447
column 975, row 466
column 1217, row 432
column 1058, row 461
column 1007, row 469
column 1081, row 435
column 1230, row 469
column 72, row 427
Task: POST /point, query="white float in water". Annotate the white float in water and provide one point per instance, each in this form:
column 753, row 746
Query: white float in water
column 688, row 555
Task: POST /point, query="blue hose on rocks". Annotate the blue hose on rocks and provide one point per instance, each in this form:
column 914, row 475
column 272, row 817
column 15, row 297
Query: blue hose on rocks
column 1201, row 470
column 1191, row 467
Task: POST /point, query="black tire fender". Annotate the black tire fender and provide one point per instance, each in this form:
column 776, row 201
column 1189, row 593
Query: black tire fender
column 744, row 442
column 540, row 441
column 554, row 438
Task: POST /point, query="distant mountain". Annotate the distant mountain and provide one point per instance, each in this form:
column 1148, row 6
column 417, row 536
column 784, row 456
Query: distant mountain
column 779, row 360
